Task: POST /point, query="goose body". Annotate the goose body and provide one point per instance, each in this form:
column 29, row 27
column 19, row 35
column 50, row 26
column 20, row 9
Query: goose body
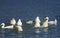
column 19, row 25
column 6, row 27
column 37, row 22
column 19, row 22
column 19, row 28
column 13, row 21
column 29, row 22
column 45, row 23
column 53, row 22
column 9, row 27
column 37, row 25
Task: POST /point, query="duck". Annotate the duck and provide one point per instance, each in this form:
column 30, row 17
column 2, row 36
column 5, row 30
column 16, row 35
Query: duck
column 19, row 25
column 29, row 22
column 19, row 22
column 6, row 27
column 53, row 22
column 13, row 21
column 37, row 22
column 45, row 23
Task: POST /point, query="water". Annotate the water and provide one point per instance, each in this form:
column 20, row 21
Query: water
column 30, row 32
column 28, row 10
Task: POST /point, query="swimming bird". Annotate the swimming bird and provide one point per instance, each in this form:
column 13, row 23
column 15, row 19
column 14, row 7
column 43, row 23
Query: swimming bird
column 53, row 22
column 19, row 25
column 13, row 21
column 6, row 27
column 19, row 22
column 29, row 22
column 45, row 23
column 37, row 22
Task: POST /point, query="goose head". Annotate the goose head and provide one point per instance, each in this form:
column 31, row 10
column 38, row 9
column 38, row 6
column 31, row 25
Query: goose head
column 47, row 18
column 3, row 25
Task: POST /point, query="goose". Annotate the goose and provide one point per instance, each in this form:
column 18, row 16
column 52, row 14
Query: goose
column 13, row 21
column 45, row 23
column 19, row 22
column 6, row 27
column 19, row 25
column 37, row 22
column 29, row 22
column 53, row 22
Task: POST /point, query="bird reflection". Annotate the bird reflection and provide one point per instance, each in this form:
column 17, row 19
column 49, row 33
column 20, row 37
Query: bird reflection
column 37, row 31
column 45, row 30
column 37, row 36
column 3, row 31
column 45, row 35
column 19, row 36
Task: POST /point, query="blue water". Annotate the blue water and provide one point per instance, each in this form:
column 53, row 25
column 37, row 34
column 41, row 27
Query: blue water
column 29, row 32
column 28, row 10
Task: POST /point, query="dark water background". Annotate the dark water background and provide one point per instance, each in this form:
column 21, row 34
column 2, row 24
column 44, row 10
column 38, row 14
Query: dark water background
column 28, row 10
column 29, row 32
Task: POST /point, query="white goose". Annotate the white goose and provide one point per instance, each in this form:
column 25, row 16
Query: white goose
column 19, row 25
column 13, row 21
column 53, row 22
column 6, row 27
column 37, row 22
column 29, row 22
column 19, row 22
column 45, row 23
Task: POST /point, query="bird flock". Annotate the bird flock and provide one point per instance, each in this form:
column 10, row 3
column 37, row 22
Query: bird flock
column 37, row 23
